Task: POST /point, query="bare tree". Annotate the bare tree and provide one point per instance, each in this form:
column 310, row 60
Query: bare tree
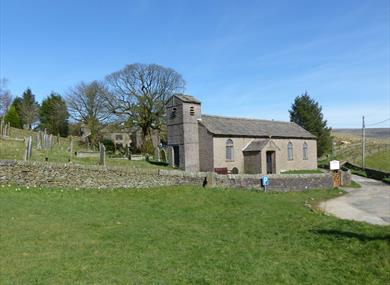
column 5, row 97
column 139, row 92
column 86, row 104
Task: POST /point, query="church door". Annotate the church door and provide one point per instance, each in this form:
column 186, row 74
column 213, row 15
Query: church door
column 176, row 156
column 271, row 168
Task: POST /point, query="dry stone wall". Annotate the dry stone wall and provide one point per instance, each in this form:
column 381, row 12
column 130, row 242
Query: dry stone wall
column 29, row 173
column 78, row 176
column 277, row 183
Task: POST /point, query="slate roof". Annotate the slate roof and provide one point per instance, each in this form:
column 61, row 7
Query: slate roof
column 256, row 145
column 187, row 98
column 253, row 128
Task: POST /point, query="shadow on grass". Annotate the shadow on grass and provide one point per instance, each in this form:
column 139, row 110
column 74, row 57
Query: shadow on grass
column 350, row 235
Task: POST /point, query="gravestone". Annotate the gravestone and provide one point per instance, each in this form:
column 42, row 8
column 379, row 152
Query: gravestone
column 102, row 150
column 51, row 141
column 71, row 148
column 39, row 141
column 157, row 153
column 2, row 123
column 28, row 150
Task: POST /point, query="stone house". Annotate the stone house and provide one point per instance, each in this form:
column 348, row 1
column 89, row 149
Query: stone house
column 120, row 136
column 235, row 145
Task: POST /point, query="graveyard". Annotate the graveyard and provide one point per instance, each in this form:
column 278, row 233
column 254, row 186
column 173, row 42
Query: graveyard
column 14, row 145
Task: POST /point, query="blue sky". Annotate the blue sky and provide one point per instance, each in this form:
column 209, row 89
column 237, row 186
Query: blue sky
column 240, row 58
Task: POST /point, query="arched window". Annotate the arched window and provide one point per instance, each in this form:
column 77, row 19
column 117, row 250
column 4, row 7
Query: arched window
column 290, row 151
column 305, row 152
column 229, row 150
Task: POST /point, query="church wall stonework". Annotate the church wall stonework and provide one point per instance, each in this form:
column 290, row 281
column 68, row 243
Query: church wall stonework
column 282, row 162
column 182, row 124
column 206, row 156
column 201, row 150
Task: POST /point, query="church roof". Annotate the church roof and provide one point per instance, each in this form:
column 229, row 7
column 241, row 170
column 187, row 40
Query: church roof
column 187, row 98
column 256, row 145
column 253, row 127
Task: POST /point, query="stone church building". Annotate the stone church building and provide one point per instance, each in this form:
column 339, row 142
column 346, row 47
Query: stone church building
column 235, row 145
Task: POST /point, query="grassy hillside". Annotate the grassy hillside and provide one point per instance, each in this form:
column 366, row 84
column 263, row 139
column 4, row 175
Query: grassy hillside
column 379, row 160
column 379, row 133
column 14, row 149
column 349, row 148
column 183, row 235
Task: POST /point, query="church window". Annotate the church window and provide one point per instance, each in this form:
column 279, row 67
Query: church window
column 305, row 151
column 192, row 111
column 290, row 151
column 229, row 150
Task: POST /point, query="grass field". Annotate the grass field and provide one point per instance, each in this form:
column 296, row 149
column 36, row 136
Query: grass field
column 379, row 160
column 377, row 150
column 183, row 235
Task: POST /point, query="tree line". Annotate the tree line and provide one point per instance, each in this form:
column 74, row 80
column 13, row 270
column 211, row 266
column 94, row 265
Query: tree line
column 134, row 96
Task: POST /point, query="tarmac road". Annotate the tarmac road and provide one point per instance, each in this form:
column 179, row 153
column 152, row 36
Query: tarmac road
column 370, row 204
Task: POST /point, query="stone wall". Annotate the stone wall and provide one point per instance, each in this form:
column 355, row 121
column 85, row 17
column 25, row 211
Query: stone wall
column 29, row 173
column 79, row 176
column 277, row 182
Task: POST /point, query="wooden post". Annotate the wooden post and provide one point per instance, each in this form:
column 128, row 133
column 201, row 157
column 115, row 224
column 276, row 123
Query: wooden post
column 102, row 150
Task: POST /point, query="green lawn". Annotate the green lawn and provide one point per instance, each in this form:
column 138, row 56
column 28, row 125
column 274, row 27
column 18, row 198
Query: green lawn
column 379, row 160
column 183, row 235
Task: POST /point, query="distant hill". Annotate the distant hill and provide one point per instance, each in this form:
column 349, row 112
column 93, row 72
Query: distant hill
column 380, row 133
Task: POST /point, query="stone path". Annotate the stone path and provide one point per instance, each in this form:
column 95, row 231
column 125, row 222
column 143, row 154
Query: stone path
column 370, row 204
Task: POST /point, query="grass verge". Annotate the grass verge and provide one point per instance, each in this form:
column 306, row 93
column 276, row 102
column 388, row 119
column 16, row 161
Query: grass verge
column 182, row 235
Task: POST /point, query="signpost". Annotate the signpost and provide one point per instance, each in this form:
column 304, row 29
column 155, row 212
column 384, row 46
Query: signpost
column 264, row 182
column 334, row 165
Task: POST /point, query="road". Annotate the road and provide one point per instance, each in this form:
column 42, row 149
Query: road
column 370, row 204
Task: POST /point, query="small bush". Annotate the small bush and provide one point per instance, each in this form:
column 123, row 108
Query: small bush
column 110, row 147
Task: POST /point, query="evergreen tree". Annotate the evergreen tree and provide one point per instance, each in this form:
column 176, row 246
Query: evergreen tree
column 12, row 117
column 307, row 113
column 53, row 115
column 28, row 109
column 17, row 103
